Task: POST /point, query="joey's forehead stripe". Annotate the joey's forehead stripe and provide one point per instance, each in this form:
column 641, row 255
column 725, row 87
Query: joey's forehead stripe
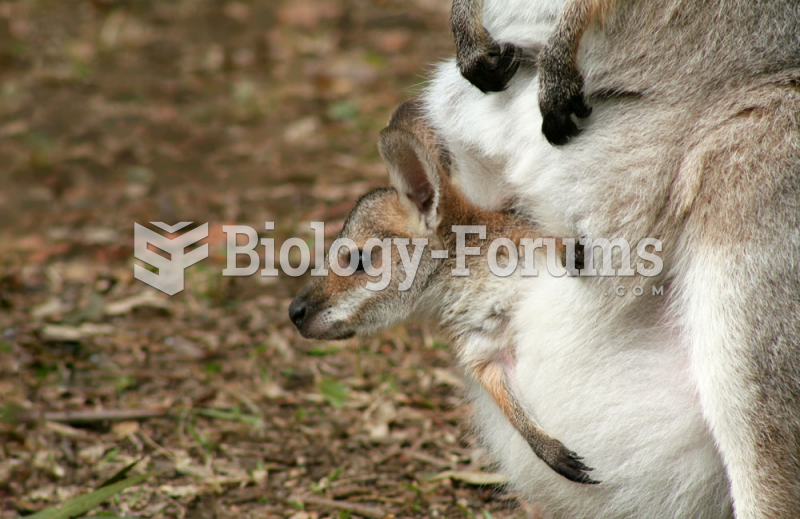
column 382, row 234
column 363, row 205
column 379, row 234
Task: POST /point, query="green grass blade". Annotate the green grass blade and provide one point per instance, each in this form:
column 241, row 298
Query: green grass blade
column 230, row 416
column 85, row 503
column 120, row 475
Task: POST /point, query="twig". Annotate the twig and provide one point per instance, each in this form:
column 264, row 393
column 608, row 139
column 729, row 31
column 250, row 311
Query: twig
column 365, row 416
column 366, row 511
column 98, row 415
column 436, row 462
column 391, row 452
column 66, row 430
column 391, row 500
column 250, row 494
column 238, row 395
column 354, row 479
column 150, row 441
column 136, row 373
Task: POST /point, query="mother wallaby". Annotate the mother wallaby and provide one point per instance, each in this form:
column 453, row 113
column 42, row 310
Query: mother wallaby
column 694, row 139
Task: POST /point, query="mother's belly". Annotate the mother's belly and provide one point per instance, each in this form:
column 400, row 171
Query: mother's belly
column 621, row 397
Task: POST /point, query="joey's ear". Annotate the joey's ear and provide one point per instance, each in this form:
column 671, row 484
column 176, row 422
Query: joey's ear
column 412, row 171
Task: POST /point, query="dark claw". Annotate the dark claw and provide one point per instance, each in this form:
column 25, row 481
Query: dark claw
column 574, row 470
column 560, row 95
column 492, row 70
column 558, row 128
column 557, row 125
column 579, row 107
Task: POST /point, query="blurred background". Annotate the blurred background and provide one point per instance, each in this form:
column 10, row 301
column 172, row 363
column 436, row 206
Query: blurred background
column 242, row 112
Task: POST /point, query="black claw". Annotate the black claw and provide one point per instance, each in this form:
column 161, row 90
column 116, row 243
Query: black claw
column 573, row 469
column 558, row 128
column 491, row 71
column 557, row 125
column 579, row 107
column 581, row 466
column 560, row 97
column 576, row 474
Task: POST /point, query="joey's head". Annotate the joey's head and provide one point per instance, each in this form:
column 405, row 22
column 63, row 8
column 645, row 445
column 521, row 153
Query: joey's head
column 377, row 275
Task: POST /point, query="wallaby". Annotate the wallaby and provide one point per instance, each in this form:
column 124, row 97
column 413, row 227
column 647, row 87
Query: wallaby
column 473, row 310
column 693, row 139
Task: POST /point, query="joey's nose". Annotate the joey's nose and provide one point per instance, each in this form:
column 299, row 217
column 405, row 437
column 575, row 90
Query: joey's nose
column 297, row 311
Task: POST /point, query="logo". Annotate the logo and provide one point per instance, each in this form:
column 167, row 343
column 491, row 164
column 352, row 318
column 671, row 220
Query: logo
column 169, row 278
column 598, row 256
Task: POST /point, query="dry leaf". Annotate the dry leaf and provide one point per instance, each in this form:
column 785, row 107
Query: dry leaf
column 179, row 491
column 472, row 478
column 123, row 429
column 146, row 299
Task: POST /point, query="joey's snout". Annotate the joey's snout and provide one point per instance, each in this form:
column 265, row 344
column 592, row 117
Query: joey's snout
column 302, row 310
column 316, row 316
column 298, row 311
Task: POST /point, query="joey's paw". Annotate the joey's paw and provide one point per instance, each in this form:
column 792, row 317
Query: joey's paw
column 490, row 68
column 571, row 466
column 560, row 96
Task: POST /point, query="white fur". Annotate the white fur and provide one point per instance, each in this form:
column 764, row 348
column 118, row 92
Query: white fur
column 608, row 376
column 524, row 23
column 616, row 393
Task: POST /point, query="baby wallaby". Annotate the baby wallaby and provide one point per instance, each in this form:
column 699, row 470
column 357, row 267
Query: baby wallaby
column 474, row 310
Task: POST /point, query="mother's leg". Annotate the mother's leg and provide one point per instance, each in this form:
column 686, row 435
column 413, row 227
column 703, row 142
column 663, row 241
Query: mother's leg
column 740, row 282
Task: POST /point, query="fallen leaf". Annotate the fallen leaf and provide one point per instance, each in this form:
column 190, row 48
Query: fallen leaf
column 145, row 299
column 92, row 453
column 179, row 491
column 64, row 333
column 123, row 429
column 472, row 478
column 49, row 308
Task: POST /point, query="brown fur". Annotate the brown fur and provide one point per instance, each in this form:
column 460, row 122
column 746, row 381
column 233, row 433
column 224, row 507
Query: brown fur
column 493, row 379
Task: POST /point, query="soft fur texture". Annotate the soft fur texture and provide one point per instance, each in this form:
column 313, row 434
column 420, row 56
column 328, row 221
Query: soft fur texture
column 596, row 370
column 474, row 308
column 694, row 140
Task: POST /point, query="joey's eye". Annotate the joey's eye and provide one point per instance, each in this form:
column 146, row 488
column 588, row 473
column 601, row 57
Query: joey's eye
column 360, row 266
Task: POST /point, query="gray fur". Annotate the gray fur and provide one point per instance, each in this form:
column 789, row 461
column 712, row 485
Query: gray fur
column 706, row 157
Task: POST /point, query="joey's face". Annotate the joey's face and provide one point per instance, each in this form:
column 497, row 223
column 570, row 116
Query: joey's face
column 377, row 295
column 388, row 283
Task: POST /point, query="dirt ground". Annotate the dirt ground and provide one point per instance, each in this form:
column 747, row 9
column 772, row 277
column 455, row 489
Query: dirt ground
column 121, row 111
